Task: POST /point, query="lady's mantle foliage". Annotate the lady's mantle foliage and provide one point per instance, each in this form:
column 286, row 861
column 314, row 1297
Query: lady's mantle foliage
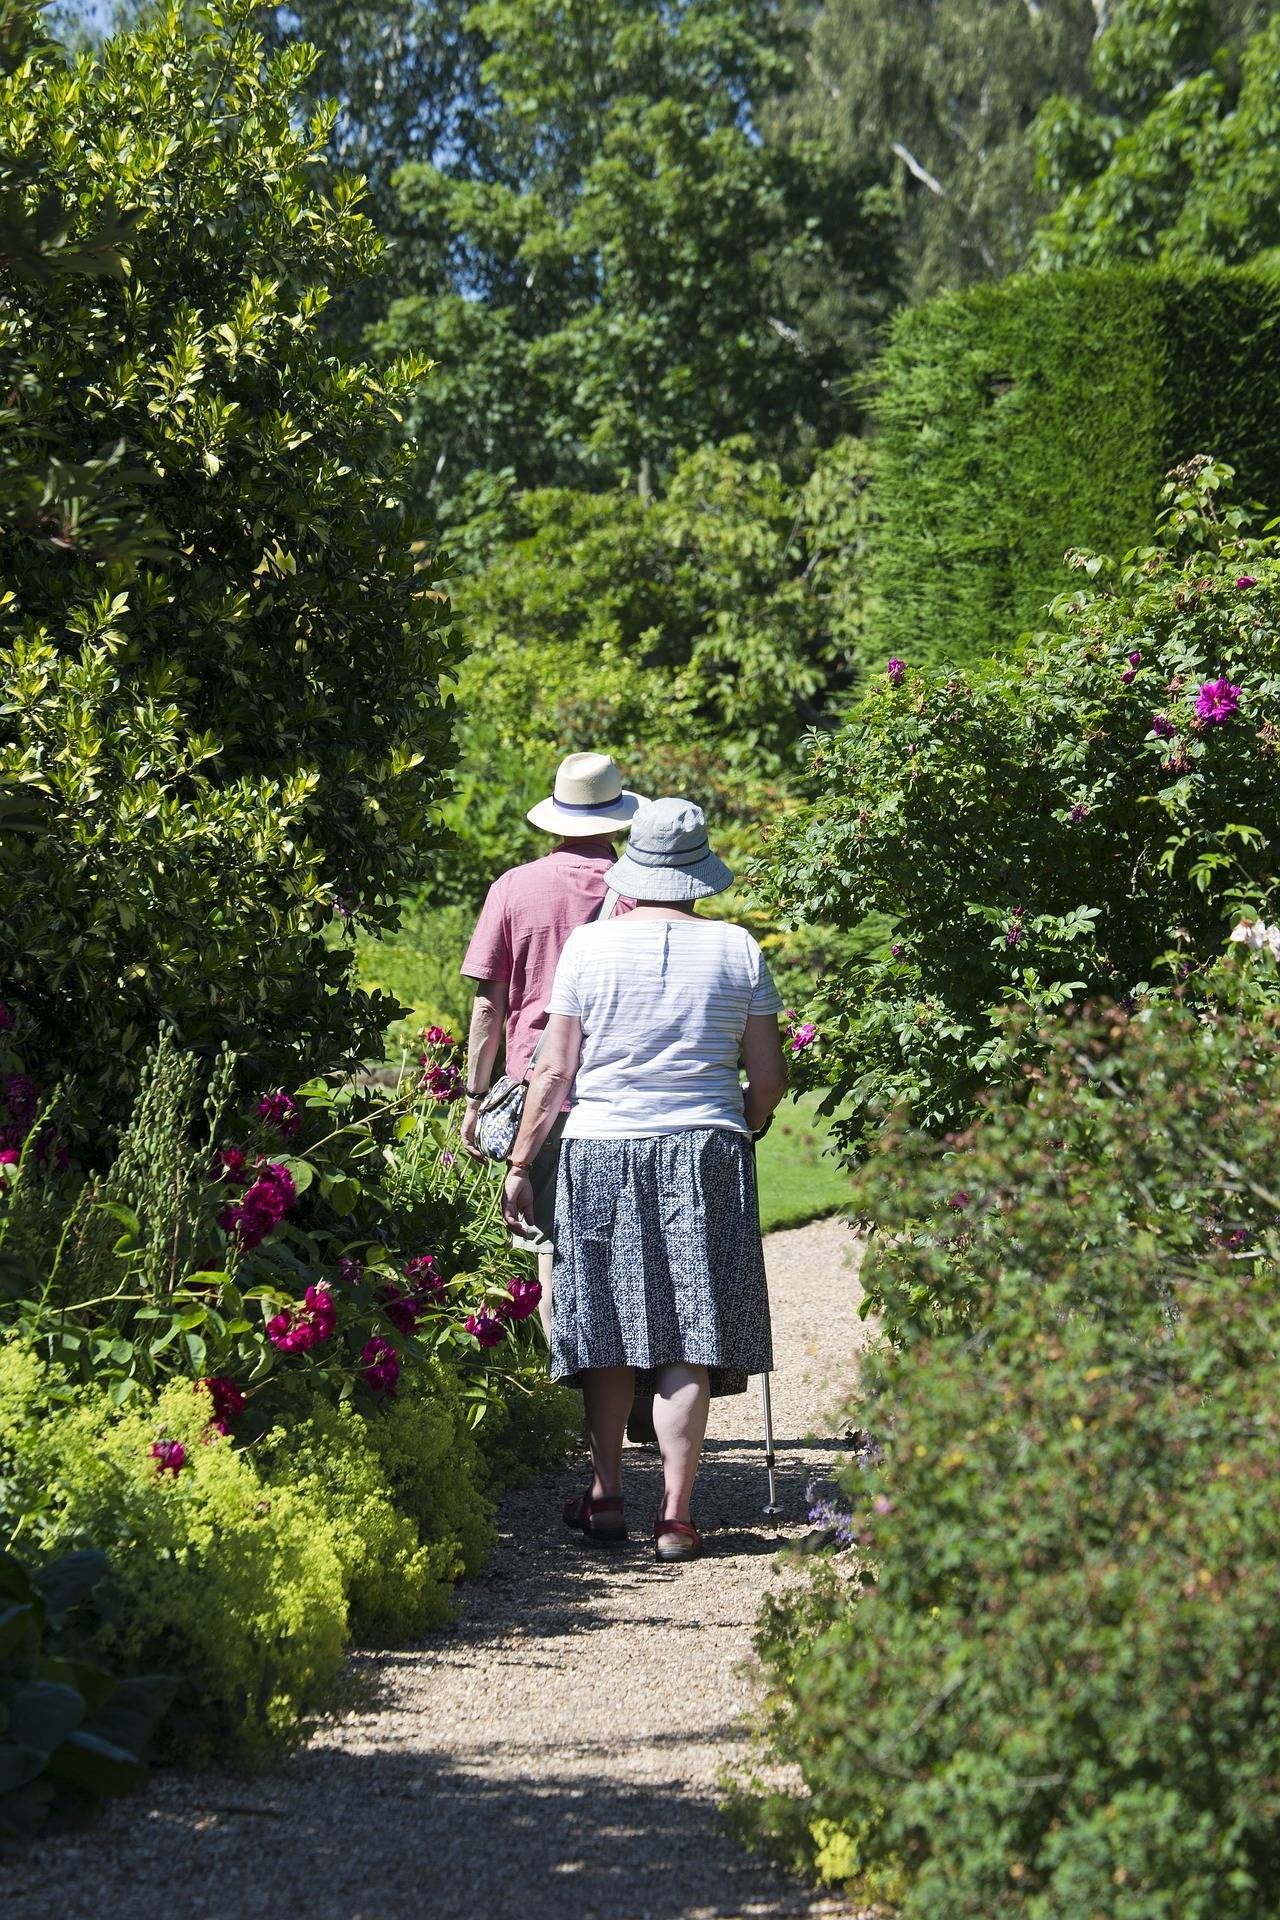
column 208, row 747
column 1086, row 816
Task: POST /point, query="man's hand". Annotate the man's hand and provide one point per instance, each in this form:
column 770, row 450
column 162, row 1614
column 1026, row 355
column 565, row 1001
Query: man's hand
column 517, row 1202
column 470, row 1121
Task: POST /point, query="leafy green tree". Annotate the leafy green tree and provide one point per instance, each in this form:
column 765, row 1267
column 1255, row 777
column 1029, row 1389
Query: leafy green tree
column 936, row 95
column 221, row 743
column 1182, row 163
column 693, row 634
column 406, row 75
column 642, row 273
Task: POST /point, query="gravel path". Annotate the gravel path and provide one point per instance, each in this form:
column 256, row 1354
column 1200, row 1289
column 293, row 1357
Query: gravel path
column 552, row 1757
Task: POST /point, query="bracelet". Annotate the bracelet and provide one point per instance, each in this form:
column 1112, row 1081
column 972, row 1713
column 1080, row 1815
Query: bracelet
column 519, row 1166
column 476, row 1093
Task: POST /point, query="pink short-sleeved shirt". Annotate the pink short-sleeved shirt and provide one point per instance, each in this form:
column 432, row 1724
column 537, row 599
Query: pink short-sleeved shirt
column 528, row 914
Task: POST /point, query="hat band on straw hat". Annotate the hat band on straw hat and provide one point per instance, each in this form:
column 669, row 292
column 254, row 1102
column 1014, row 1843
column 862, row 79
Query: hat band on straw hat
column 645, row 857
column 586, row 806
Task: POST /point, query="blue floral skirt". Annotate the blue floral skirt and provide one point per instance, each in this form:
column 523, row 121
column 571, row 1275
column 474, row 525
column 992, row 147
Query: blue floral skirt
column 658, row 1258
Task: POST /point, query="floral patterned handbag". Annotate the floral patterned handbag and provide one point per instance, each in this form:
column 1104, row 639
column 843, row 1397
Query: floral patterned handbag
column 502, row 1108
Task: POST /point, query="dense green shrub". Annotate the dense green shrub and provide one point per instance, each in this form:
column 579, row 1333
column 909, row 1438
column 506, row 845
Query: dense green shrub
column 217, row 746
column 70, row 1732
column 1080, row 818
column 1046, row 1684
column 1021, row 419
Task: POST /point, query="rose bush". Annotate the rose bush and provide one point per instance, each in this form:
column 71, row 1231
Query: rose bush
column 1087, row 815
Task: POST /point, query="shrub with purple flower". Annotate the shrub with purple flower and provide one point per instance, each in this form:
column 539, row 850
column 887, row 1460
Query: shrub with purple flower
column 442, row 1080
column 486, row 1327
column 895, row 672
column 1216, row 702
column 525, row 1296
column 263, row 1206
column 380, row 1365
column 280, row 1111
column 299, row 1329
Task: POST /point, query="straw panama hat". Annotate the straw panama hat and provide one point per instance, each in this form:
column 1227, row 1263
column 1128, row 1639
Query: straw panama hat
column 589, row 798
column 668, row 856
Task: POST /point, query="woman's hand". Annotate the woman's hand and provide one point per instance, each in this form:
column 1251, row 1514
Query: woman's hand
column 517, row 1201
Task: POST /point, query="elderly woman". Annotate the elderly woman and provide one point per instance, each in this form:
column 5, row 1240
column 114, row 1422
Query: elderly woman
column 659, row 1271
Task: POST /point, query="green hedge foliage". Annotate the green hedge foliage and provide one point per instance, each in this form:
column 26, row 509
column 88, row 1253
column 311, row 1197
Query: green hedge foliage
column 209, row 748
column 1083, row 817
column 1021, row 419
column 1047, row 1681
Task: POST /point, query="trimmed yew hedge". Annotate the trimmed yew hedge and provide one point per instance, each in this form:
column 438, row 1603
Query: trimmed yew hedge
column 1018, row 420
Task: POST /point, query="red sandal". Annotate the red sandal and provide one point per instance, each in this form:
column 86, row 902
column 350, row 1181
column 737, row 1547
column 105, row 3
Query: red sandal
column 686, row 1544
column 599, row 1519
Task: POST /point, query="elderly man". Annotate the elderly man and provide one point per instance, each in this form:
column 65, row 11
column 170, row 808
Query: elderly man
column 528, row 915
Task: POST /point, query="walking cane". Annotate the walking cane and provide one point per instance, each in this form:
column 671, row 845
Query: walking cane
column 769, row 1457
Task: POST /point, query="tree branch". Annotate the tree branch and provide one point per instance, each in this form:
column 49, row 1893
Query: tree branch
column 921, row 172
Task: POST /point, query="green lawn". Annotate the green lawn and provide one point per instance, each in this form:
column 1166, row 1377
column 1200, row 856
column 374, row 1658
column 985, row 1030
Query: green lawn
column 798, row 1181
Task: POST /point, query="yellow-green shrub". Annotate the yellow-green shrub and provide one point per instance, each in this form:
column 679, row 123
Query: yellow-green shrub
column 231, row 1584
column 398, row 1489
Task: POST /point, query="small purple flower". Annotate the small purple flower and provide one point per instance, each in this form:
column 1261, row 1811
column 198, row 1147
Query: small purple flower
column 280, row 1110
column 1135, row 659
column 170, row 1456
column 487, row 1328
column 1078, row 813
column 525, row 1295
column 1162, row 726
column 350, row 1272
column 1216, row 702
column 896, row 950
column 379, row 1364
column 1013, row 934
column 895, row 671
column 803, row 1037
column 21, row 1097
column 443, row 1083
column 446, row 1159
column 1246, row 580
column 1128, row 677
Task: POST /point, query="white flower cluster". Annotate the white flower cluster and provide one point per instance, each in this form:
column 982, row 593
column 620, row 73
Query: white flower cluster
column 1253, row 934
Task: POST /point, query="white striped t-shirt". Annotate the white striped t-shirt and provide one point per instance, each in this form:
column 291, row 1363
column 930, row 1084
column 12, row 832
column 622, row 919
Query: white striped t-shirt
column 663, row 1005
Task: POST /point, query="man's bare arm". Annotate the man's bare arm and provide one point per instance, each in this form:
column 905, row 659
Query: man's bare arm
column 488, row 1019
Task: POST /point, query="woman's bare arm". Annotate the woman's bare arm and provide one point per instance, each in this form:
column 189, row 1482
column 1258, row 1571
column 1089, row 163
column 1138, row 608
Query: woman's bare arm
column 549, row 1086
column 766, row 1068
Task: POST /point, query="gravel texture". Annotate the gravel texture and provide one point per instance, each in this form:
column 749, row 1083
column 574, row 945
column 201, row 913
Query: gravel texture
column 556, row 1753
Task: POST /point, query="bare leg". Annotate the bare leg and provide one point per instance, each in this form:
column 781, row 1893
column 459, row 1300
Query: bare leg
column 607, row 1393
column 680, row 1409
column 544, row 1305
